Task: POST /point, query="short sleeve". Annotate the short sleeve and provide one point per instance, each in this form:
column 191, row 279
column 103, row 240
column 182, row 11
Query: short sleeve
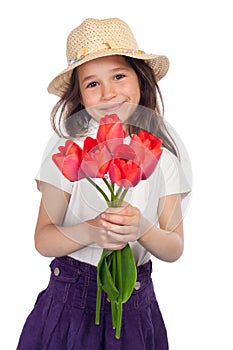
column 48, row 171
column 174, row 178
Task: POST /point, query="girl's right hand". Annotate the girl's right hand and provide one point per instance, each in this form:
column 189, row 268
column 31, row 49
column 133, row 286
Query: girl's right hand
column 99, row 235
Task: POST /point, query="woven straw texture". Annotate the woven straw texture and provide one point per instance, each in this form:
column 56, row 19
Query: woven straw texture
column 98, row 38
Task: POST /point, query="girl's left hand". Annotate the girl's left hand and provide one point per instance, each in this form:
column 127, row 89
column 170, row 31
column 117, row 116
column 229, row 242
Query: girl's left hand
column 122, row 223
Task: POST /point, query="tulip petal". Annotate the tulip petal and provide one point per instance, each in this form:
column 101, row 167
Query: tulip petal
column 68, row 160
column 110, row 131
column 148, row 150
column 124, row 173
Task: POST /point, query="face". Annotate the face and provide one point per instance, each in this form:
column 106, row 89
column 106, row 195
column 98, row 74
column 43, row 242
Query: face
column 109, row 85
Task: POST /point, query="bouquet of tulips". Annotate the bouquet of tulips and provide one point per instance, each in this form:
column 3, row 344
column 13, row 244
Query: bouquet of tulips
column 125, row 165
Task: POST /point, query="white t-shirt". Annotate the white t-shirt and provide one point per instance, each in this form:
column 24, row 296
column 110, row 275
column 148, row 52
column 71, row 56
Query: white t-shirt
column 86, row 202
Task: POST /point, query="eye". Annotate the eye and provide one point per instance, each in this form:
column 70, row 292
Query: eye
column 119, row 76
column 92, row 84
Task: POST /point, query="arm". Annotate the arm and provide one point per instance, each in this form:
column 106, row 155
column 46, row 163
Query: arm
column 167, row 241
column 53, row 239
column 49, row 239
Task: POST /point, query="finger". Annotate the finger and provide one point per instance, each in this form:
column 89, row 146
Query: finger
column 121, row 230
column 122, row 218
column 119, row 226
column 123, row 238
column 115, row 219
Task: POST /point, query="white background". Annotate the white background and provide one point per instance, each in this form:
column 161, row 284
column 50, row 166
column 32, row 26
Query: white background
column 195, row 293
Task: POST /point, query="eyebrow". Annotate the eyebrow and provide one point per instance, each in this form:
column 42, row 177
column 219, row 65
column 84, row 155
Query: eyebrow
column 89, row 77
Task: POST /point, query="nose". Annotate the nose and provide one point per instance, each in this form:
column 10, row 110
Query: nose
column 108, row 91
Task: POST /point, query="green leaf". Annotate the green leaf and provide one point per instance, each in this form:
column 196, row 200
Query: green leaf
column 126, row 273
column 104, row 277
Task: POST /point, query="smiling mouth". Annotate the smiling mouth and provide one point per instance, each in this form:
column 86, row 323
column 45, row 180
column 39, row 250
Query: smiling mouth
column 111, row 107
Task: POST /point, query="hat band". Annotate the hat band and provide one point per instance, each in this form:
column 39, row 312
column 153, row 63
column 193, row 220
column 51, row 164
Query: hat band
column 123, row 51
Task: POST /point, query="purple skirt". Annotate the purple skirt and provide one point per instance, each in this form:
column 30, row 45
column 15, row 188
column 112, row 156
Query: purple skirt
column 64, row 314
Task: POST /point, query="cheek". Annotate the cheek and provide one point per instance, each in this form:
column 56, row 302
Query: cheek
column 133, row 91
column 137, row 91
column 89, row 98
column 88, row 101
column 137, row 95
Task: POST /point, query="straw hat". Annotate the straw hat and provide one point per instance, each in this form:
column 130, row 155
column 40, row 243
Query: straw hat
column 96, row 38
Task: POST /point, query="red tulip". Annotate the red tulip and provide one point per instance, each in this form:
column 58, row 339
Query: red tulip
column 111, row 131
column 148, row 150
column 124, row 172
column 68, row 160
column 96, row 158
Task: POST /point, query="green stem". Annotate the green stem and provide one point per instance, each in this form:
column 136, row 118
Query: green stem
column 109, row 187
column 119, row 287
column 113, row 304
column 113, row 196
column 98, row 188
column 119, row 270
column 98, row 304
column 114, row 314
column 118, row 192
column 119, row 319
column 122, row 197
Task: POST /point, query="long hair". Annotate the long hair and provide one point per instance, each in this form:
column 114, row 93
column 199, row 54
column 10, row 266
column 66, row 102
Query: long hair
column 149, row 115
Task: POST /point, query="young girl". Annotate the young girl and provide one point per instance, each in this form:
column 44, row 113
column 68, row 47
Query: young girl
column 106, row 74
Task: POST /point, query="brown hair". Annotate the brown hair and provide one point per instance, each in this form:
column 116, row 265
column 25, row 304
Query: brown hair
column 148, row 116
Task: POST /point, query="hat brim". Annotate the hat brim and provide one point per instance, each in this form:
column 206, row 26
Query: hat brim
column 159, row 63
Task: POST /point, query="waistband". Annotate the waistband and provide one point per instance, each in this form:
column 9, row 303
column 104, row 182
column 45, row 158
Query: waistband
column 68, row 269
column 79, row 266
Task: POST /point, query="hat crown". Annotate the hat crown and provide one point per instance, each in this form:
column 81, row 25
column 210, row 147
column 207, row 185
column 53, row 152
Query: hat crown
column 93, row 35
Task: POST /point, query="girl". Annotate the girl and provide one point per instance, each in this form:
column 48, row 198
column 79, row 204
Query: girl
column 106, row 74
